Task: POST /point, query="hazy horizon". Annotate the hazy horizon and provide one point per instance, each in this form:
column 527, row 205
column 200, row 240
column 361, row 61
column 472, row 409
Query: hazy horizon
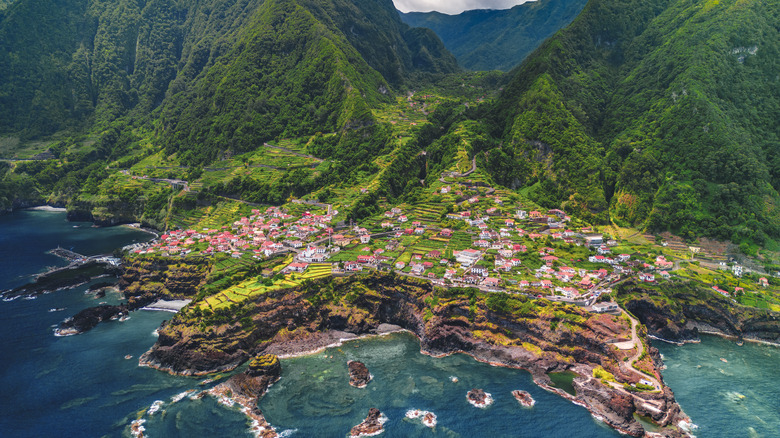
column 453, row 6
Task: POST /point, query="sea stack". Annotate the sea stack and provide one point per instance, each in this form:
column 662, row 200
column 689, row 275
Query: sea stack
column 479, row 398
column 524, row 398
column 371, row 426
column 358, row 374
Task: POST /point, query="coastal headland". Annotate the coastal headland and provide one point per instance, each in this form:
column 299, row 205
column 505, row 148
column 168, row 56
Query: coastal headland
column 519, row 334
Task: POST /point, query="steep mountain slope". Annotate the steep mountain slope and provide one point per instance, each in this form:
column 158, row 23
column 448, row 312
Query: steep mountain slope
column 666, row 110
column 196, row 81
column 498, row 39
column 79, row 61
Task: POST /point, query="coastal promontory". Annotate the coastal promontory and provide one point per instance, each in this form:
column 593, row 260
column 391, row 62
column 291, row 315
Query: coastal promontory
column 538, row 335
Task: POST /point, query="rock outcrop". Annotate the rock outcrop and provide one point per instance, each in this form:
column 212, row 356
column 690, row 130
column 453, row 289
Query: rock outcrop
column 372, row 425
column 524, row 398
column 61, row 278
column 358, row 374
column 246, row 389
column 539, row 336
column 680, row 312
column 479, row 398
column 88, row 318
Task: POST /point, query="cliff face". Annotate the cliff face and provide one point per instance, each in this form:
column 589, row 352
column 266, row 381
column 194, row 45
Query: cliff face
column 145, row 279
column 536, row 335
column 678, row 313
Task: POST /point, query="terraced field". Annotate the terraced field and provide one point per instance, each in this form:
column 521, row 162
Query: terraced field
column 428, row 213
column 213, row 217
column 460, row 240
column 255, row 287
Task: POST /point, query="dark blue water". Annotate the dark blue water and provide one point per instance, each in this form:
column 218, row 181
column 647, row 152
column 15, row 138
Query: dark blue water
column 72, row 386
column 82, row 386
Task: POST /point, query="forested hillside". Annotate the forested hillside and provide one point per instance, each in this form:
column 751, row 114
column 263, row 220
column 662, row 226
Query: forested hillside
column 200, row 79
column 70, row 63
column 660, row 113
column 498, row 39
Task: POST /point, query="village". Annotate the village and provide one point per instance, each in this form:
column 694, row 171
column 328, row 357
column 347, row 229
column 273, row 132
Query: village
column 490, row 243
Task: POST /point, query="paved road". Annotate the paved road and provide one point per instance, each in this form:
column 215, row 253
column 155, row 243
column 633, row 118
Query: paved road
column 290, row 151
column 640, row 349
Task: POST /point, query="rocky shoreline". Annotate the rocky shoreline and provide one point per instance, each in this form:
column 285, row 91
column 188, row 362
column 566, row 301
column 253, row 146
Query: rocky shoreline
column 680, row 313
column 285, row 322
column 245, row 389
column 62, row 278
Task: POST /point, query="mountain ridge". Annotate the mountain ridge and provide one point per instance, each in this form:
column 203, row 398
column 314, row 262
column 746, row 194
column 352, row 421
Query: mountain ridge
column 637, row 78
column 497, row 39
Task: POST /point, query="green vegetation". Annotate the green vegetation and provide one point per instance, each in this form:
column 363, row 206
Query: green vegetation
column 564, row 380
column 600, row 373
column 666, row 89
column 663, row 118
column 110, row 85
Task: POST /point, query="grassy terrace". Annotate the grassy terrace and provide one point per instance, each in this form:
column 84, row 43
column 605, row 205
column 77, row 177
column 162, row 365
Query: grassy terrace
column 258, row 286
column 212, row 217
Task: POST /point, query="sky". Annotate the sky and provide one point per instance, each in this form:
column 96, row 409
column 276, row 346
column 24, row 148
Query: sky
column 453, row 6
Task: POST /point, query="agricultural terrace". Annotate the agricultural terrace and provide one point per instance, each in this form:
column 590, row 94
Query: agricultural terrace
column 258, row 286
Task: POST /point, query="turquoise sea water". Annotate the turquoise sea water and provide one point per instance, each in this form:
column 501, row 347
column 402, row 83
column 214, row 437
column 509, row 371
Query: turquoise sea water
column 82, row 386
column 736, row 398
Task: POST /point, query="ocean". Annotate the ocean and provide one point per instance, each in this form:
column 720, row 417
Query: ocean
column 82, row 386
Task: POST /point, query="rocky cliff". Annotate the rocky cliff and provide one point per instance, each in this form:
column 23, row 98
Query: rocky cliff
column 246, row 389
column 679, row 312
column 537, row 335
column 143, row 281
column 162, row 278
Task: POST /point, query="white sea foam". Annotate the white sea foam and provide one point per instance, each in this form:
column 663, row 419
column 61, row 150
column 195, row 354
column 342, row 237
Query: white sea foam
column 155, row 407
column 414, row 413
column 226, row 401
column 417, row 413
column 180, row 396
column 687, row 426
column 137, row 429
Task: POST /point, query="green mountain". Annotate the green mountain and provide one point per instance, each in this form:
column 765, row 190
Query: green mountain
column 660, row 113
column 197, row 81
column 205, row 64
column 498, row 39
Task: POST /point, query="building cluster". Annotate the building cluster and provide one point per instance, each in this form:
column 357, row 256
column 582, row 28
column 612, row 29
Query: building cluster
column 261, row 235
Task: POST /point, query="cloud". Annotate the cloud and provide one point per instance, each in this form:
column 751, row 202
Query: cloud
column 453, row 6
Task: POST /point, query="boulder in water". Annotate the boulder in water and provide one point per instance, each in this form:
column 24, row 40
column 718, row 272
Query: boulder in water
column 358, row 374
column 371, row 426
